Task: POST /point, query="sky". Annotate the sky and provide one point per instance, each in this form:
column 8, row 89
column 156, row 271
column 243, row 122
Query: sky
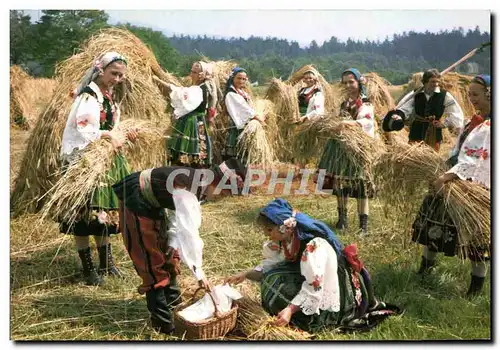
column 302, row 26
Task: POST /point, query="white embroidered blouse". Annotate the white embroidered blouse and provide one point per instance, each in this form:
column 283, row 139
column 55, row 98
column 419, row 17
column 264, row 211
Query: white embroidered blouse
column 240, row 111
column 474, row 157
column 365, row 117
column 185, row 99
column 83, row 124
column 318, row 265
column 316, row 105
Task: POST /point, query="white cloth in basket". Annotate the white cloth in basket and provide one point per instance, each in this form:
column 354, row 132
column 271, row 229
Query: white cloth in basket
column 204, row 308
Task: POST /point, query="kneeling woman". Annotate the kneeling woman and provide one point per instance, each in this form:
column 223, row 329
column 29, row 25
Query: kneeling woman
column 308, row 279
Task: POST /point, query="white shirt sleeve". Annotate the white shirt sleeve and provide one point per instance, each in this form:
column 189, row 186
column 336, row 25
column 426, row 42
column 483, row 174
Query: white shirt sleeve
column 316, row 106
column 183, row 231
column 474, row 158
column 83, row 124
column 238, row 109
column 453, row 112
column 87, row 116
column 407, row 107
column 320, row 290
column 366, row 118
column 272, row 255
column 185, row 99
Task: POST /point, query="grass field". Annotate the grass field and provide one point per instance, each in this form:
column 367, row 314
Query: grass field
column 50, row 302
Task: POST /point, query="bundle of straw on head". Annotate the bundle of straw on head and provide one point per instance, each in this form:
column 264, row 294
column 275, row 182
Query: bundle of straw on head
column 84, row 174
column 469, row 207
column 285, row 100
column 142, row 100
column 253, row 143
column 378, row 92
column 331, row 96
column 221, row 72
column 257, row 324
column 403, row 173
column 458, row 86
column 286, row 110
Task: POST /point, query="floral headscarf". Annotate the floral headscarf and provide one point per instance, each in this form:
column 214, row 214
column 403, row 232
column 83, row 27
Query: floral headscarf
column 99, row 65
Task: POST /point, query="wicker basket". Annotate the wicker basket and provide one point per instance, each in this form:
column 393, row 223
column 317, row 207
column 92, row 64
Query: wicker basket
column 213, row 328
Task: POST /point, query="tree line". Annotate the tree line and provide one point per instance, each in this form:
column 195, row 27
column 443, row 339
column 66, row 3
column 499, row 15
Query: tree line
column 57, row 35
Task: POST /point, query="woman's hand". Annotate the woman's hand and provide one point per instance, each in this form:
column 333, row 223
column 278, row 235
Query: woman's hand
column 285, row 315
column 116, row 142
column 442, row 180
column 303, row 119
column 437, row 124
column 203, row 283
column 236, row 279
column 261, row 119
column 132, row 134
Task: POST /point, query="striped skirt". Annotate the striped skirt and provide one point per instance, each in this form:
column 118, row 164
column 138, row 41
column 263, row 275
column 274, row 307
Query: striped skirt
column 346, row 177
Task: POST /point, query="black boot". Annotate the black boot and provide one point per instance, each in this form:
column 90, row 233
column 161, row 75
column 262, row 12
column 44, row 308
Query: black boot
column 342, row 223
column 426, row 266
column 106, row 262
column 363, row 224
column 172, row 293
column 161, row 313
column 476, row 284
column 89, row 271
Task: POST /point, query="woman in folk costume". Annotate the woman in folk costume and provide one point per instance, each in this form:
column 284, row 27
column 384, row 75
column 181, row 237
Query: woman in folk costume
column 470, row 160
column 194, row 108
column 311, row 98
column 160, row 219
column 95, row 115
column 428, row 112
column 349, row 179
column 308, row 279
column 239, row 107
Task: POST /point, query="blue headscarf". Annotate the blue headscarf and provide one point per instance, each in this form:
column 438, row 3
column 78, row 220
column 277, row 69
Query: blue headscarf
column 485, row 78
column 358, row 76
column 279, row 210
column 230, row 80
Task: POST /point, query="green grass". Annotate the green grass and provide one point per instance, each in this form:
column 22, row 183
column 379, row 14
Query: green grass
column 49, row 302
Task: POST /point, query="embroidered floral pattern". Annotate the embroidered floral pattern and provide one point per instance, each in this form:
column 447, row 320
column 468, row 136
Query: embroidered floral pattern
column 476, row 153
column 310, row 248
column 316, row 283
column 82, row 123
column 357, row 285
